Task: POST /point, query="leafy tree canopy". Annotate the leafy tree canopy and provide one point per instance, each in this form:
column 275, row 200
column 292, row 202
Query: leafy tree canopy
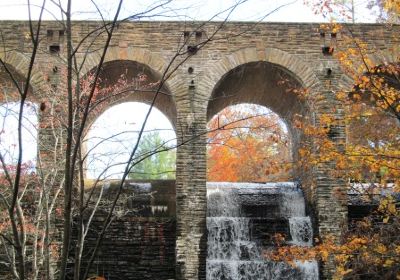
column 155, row 160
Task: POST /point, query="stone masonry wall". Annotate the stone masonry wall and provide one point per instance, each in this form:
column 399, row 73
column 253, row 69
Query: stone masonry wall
column 140, row 242
column 134, row 248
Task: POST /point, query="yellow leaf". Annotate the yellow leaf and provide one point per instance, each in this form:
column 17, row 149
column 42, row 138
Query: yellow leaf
column 388, row 263
column 365, row 79
column 381, row 249
column 392, row 208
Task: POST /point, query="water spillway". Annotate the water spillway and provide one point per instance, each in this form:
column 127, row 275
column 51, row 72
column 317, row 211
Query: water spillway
column 242, row 219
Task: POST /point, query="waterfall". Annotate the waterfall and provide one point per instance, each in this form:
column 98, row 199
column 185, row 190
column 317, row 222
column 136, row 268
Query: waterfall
column 301, row 231
column 233, row 252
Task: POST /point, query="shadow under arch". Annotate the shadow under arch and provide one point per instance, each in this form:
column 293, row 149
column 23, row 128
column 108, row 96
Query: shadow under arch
column 266, row 84
column 139, row 84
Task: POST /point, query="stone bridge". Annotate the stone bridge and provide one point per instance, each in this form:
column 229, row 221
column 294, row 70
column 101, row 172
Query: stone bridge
column 239, row 63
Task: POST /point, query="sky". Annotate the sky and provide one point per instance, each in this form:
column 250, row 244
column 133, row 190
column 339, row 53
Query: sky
column 104, row 152
column 250, row 10
column 9, row 136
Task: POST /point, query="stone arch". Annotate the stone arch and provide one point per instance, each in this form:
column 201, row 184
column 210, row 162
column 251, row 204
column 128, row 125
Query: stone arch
column 112, row 71
column 19, row 64
column 110, row 75
column 152, row 62
column 349, row 85
column 270, row 63
column 272, row 55
column 346, row 82
column 141, row 55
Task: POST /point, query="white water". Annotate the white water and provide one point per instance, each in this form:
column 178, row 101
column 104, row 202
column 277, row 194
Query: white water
column 231, row 252
column 301, row 231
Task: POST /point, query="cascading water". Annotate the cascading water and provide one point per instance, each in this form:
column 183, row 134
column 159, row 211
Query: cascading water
column 232, row 252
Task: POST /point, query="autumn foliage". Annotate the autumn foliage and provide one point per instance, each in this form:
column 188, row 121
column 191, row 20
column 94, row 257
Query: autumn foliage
column 369, row 250
column 248, row 143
